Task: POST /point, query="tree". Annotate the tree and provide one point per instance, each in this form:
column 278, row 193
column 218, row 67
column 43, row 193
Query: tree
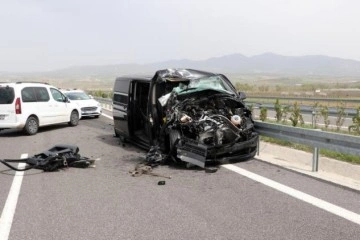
column 285, row 112
column 325, row 114
column 341, row 114
column 278, row 111
column 356, row 122
column 263, row 114
column 296, row 115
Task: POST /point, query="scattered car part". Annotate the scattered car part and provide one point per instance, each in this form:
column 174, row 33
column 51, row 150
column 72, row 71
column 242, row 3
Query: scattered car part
column 211, row 169
column 154, row 157
column 143, row 168
column 57, row 157
column 161, row 183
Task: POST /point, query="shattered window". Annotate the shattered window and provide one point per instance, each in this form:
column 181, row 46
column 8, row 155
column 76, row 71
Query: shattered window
column 216, row 83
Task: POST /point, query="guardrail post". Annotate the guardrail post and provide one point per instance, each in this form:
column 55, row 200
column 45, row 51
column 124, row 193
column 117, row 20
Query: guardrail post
column 313, row 117
column 315, row 163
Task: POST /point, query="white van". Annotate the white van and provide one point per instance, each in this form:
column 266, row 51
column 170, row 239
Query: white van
column 28, row 106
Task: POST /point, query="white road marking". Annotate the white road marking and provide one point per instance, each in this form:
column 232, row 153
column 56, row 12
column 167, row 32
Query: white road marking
column 8, row 212
column 339, row 211
column 105, row 115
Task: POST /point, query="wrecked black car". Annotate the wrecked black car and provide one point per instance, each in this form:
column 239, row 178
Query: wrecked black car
column 184, row 115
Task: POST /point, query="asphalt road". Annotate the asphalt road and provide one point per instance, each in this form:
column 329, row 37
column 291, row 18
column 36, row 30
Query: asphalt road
column 107, row 203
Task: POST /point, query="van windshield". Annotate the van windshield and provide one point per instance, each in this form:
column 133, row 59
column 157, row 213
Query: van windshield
column 6, row 95
column 216, row 83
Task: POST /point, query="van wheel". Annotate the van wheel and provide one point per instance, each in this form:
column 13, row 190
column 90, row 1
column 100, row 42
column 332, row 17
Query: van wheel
column 74, row 118
column 174, row 137
column 31, row 126
column 115, row 133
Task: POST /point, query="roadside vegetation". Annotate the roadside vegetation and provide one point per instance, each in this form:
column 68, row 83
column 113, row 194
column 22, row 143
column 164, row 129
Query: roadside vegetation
column 295, row 119
column 100, row 93
column 323, row 152
column 356, row 122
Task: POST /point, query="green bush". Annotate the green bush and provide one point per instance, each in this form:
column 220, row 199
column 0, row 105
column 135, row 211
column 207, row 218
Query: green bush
column 285, row 112
column 356, row 122
column 325, row 114
column 278, row 111
column 296, row 116
column 263, row 114
column 341, row 114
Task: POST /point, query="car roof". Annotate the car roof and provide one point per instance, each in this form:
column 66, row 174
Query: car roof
column 169, row 74
column 183, row 73
column 14, row 84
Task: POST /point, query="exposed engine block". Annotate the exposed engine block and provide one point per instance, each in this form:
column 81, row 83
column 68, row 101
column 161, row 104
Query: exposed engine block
column 214, row 121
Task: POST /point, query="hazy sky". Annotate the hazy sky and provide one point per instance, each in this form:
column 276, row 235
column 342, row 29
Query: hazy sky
column 39, row 35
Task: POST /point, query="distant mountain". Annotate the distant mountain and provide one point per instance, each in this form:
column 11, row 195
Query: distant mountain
column 270, row 63
column 267, row 63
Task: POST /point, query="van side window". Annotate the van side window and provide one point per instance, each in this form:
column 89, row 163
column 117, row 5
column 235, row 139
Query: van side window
column 120, row 99
column 42, row 94
column 57, row 95
column 28, row 94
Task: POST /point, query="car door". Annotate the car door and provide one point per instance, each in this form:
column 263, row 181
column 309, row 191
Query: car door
column 59, row 106
column 120, row 113
column 139, row 119
column 36, row 100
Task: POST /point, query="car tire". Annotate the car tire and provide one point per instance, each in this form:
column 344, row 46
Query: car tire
column 31, row 126
column 96, row 116
column 115, row 133
column 74, row 118
column 174, row 135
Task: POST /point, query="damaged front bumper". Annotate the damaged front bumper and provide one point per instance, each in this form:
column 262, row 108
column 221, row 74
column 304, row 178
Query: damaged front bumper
column 201, row 154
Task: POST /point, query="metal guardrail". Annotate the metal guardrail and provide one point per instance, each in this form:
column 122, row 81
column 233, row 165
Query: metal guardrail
column 309, row 99
column 105, row 102
column 311, row 137
column 350, row 112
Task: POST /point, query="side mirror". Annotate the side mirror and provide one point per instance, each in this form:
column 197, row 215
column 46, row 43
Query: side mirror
column 66, row 100
column 242, row 95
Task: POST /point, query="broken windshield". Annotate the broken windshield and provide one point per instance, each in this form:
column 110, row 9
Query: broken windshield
column 216, row 83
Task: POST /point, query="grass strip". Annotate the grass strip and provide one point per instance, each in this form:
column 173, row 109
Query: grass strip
column 323, row 152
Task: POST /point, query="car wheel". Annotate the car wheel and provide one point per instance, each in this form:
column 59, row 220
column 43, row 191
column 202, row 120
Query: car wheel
column 174, row 135
column 74, row 118
column 96, row 116
column 31, row 126
column 115, row 133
